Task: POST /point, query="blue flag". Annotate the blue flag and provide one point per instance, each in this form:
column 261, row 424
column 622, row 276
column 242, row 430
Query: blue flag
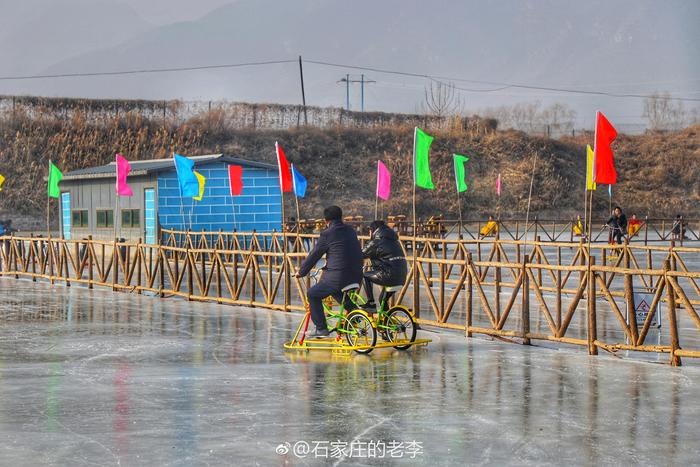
column 299, row 183
column 189, row 185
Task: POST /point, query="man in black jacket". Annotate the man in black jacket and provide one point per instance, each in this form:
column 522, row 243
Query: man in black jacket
column 343, row 266
column 388, row 262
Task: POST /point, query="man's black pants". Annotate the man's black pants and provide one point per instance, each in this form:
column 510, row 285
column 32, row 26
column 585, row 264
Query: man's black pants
column 317, row 293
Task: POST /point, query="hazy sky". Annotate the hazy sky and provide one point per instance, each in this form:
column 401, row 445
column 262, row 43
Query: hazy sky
column 618, row 47
column 162, row 12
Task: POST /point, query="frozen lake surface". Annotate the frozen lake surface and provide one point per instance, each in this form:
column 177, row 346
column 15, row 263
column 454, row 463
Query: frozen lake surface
column 101, row 378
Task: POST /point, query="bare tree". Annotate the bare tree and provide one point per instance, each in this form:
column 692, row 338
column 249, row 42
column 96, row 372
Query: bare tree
column 441, row 99
column 527, row 117
column 559, row 117
column 662, row 114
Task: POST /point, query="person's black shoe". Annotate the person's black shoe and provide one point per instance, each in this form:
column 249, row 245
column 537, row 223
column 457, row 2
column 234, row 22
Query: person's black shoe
column 319, row 334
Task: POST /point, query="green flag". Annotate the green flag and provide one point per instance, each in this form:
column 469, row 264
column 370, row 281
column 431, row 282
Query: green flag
column 421, row 166
column 460, row 175
column 55, row 176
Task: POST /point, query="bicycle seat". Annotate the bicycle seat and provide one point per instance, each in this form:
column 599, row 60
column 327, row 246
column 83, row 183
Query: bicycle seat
column 350, row 287
column 393, row 288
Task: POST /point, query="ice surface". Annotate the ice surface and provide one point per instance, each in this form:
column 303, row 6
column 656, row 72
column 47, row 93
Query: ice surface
column 101, row 378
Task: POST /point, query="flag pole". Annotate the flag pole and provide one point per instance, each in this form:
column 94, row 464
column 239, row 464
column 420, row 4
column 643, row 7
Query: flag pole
column 191, row 209
column 416, row 304
column 233, row 211
column 376, row 195
column 116, row 212
column 529, row 199
column 459, row 207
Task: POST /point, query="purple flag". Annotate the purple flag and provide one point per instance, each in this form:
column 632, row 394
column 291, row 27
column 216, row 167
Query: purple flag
column 383, row 181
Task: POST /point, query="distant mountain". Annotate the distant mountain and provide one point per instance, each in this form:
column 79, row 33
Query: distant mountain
column 626, row 45
column 35, row 33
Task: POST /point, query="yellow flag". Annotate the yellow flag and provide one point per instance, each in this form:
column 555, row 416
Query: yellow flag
column 590, row 162
column 202, row 180
column 2, row 180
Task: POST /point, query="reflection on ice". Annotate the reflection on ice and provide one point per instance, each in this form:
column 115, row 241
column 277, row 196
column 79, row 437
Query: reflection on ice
column 92, row 377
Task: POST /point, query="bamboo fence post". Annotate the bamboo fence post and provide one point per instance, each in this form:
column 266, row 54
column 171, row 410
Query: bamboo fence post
column 558, row 303
column 161, row 272
column 582, row 259
column 646, row 230
column 115, row 264
column 525, row 311
column 139, row 258
column 217, row 262
column 629, row 294
column 672, row 324
column 497, row 279
column 592, row 324
column 90, row 248
column 287, row 286
column 188, row 270
column 468, row 296
column 251, row 275
column 35, row 247
column 49, row 252
column 539, row 261
column 442, row 284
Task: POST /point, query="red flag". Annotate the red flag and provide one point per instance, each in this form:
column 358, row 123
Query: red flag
column 235, row 179
column 283, row 166
column 605, row 134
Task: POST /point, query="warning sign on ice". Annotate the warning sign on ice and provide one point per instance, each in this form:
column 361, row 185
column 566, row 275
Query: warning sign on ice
column 642, row 308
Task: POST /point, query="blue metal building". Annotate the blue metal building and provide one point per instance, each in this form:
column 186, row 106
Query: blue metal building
column 88, row 200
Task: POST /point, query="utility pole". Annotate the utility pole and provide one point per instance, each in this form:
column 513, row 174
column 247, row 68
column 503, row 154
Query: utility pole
column 348, row 80
column 303, row 95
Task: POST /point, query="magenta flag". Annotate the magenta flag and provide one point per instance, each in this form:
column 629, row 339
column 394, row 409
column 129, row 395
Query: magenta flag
column 498, row 185
column 123, row 169
column 383, row 181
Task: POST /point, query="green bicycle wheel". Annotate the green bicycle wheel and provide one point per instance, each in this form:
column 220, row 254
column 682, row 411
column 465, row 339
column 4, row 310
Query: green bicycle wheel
column 400, row 326
column 359, row 331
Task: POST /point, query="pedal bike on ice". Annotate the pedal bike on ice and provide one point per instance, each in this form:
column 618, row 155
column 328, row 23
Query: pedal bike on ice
column 356, row 329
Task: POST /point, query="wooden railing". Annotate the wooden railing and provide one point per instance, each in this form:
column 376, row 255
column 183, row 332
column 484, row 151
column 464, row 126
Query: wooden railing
column 555, row 230
column 510, row 289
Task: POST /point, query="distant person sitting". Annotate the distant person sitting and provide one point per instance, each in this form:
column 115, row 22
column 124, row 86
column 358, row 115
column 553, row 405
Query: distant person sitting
column 618, row 225
column 388, row 263
column 633, row 226
column 343, row 266
column 491, row 228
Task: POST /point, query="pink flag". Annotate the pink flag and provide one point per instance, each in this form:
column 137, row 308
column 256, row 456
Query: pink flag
column 383, row 181
column 123, row 169
column 498, row 185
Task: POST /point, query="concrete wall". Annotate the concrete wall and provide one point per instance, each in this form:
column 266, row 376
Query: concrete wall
column 94, row 194
column 258, row 207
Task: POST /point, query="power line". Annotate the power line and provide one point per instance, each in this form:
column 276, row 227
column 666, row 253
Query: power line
column 491, row 83
column 147, row 70
column 500, row 85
